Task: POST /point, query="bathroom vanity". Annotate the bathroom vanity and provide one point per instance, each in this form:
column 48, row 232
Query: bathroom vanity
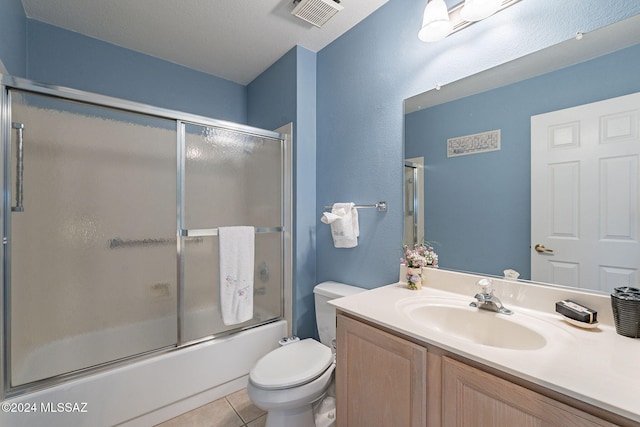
column 405, row 359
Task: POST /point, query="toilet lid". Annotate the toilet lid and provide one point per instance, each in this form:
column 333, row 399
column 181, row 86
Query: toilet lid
column 291, row 365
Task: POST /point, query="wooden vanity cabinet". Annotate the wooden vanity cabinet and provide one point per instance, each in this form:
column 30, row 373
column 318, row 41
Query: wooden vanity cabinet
column 380, row 378
column 383, row 379
column 471, row 397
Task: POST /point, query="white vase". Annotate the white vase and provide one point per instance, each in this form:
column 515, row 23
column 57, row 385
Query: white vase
column 414, row 278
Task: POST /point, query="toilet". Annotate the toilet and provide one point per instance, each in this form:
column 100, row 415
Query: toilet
column 291, row 380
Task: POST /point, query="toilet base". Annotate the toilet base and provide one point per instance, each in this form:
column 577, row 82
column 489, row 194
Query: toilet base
column 298, row 417
column 324, row 412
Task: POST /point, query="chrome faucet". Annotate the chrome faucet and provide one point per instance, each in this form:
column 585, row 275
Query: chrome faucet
column 485, row 300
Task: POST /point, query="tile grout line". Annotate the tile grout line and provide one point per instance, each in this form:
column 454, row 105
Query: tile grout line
column 242, row 418
column 244, row 424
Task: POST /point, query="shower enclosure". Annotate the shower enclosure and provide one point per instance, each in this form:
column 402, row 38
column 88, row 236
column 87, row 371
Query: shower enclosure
column 110, row 219
column 413, row 185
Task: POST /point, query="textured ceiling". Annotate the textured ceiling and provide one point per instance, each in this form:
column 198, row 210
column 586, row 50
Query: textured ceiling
column 233, row 39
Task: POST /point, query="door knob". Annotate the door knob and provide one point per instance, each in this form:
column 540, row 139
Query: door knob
column 540, row 248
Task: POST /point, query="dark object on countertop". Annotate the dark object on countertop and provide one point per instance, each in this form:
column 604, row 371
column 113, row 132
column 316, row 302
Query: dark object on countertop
column 576, row 311
column 625, row 303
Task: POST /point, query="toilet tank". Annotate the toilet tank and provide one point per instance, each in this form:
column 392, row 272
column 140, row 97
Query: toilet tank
column 325, row 313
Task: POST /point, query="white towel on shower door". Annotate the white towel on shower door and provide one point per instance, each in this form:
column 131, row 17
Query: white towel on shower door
column 237, row 248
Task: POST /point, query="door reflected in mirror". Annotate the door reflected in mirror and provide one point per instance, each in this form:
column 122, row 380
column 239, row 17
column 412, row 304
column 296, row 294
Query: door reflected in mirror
column 584, row 189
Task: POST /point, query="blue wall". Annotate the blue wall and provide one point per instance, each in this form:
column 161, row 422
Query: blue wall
column 284, row 93
column 66, row 58
column 469, row 199
column 305, row 211
column 271, row 97
column 363, row 78
column 13, row 37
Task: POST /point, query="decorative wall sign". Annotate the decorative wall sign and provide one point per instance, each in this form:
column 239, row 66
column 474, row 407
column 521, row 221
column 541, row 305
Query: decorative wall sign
column 474, row 144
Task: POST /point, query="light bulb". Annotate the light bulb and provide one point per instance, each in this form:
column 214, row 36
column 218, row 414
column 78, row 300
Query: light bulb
column 435, row 22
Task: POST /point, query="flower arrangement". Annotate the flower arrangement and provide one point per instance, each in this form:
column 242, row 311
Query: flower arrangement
column 421, row 255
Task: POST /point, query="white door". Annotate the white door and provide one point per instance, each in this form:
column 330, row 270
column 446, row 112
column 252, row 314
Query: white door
column 584, row 195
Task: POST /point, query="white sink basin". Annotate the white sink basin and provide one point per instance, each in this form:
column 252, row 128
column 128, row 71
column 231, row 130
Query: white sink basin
column 456, row 318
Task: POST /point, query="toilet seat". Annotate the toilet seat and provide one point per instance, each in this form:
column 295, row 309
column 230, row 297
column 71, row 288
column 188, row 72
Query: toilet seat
column 291, row 365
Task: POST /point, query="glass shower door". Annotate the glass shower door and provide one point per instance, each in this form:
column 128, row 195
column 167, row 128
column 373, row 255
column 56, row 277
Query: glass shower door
column 93, row 265
column 230, row 179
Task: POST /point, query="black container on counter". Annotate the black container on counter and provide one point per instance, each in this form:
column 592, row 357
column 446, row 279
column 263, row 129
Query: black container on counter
column 625, row 303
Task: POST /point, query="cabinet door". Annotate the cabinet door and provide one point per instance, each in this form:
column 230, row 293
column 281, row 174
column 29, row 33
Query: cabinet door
column 475, row 398
column 380, row 378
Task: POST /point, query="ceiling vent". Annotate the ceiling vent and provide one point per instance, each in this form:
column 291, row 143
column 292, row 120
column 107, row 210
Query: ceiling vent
column 316, row 12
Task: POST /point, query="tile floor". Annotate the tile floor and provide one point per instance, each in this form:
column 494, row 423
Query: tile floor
column 235, row 410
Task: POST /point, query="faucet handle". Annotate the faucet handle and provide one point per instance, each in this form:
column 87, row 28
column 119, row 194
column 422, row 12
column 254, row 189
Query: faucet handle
column 485, row 286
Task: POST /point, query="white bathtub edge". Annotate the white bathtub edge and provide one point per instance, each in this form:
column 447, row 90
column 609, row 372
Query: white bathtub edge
column 188, row 404
column 155, row 386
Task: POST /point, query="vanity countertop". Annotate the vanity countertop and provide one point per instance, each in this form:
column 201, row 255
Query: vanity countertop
column 596, row 366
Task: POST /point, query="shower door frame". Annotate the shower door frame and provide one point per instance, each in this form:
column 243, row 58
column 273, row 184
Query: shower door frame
column 8, row 83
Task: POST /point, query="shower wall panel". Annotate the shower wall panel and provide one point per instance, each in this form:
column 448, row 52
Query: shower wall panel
column 231, row 179
column 98, row 184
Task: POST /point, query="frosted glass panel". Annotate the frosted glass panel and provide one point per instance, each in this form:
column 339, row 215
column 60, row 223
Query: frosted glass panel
column 93, row 255
column 409, row 208
column 230, row 179
column 202, row 312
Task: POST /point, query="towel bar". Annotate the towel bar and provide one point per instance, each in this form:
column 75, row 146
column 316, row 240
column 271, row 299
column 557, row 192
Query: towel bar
column 381, row 206
column 117, row 243
column 202, row 232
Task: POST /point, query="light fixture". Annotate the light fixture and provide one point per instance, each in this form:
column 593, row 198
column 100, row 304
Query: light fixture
column 477, row 10
column 435, row 22
column 438, row 22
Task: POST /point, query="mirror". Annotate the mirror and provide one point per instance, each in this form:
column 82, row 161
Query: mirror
column 477, row 206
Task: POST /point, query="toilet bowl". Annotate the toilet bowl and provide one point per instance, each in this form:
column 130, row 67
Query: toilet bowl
column 289, row 381
column 286, row 387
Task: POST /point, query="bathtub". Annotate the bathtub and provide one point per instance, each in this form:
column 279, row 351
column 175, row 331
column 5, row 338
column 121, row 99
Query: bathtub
column 151, row 390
